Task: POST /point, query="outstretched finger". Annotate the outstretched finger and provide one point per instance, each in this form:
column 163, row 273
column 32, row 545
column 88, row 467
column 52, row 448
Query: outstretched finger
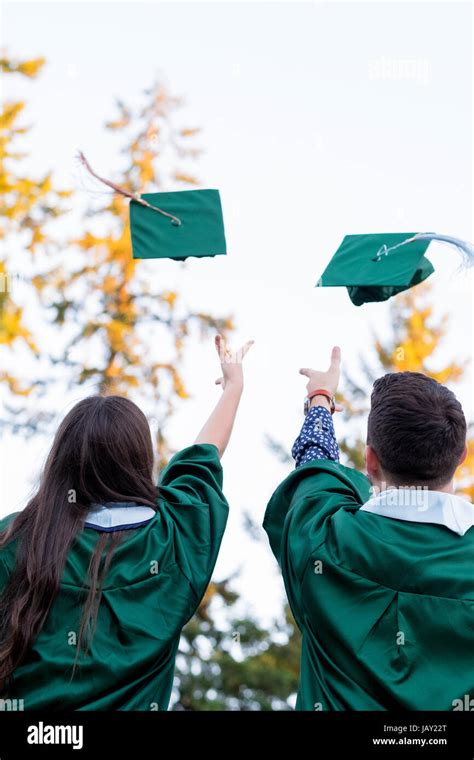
column 306, row 371
column 222, row 350
column 335, row 358
column 245, row 348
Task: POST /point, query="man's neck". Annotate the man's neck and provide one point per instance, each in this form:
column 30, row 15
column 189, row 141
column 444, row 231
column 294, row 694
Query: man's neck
column 384, row 485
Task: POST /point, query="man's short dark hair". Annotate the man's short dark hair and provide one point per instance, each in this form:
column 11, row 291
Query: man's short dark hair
column 417, row 429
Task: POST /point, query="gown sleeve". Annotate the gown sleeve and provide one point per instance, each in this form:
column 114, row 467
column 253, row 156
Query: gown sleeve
column 191, row 497
column 299, row 513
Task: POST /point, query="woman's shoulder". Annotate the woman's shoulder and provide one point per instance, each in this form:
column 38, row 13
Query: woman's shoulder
column 5, row 521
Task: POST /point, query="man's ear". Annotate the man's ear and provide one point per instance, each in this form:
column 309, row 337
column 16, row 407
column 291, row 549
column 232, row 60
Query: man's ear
column 372, row 463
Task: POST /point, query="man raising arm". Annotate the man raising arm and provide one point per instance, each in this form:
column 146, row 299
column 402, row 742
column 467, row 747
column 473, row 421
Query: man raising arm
column 381, row 586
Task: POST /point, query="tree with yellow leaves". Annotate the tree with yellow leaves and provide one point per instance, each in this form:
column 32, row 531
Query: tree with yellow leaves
column 28, row 205
column 412, row 345
column 107, row 322
column 127, row 333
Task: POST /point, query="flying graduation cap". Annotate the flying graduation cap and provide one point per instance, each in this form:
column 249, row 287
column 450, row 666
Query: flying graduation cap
column 172, row 225
column 376, row 267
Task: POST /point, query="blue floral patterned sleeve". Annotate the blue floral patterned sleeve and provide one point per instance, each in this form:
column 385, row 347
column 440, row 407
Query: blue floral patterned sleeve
column 317, row 439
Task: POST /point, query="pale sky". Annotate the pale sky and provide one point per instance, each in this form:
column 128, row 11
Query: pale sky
column 319, row 120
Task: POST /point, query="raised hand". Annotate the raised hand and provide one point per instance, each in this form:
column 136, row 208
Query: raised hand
column 231, row 363
column 328, row 380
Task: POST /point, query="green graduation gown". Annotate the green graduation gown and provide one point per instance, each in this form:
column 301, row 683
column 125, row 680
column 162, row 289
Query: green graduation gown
column 385, row 606
column 157, row 578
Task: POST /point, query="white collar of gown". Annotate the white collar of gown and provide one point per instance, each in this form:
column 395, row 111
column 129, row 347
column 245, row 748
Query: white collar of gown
column 423, row 506
column 118, row 516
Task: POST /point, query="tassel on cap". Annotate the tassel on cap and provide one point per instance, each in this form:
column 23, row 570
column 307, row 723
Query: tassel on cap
column 464, row 247
column 127, row 193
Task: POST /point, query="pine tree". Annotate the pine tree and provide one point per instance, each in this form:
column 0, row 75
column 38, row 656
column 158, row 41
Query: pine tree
column 236, row 664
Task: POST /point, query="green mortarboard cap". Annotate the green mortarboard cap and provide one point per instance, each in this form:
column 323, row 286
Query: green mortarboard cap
column 171, row 225
column 177, row 225
column 376, row 267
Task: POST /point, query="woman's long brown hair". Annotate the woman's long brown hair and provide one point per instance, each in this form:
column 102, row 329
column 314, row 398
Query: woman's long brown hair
column 102, row 452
